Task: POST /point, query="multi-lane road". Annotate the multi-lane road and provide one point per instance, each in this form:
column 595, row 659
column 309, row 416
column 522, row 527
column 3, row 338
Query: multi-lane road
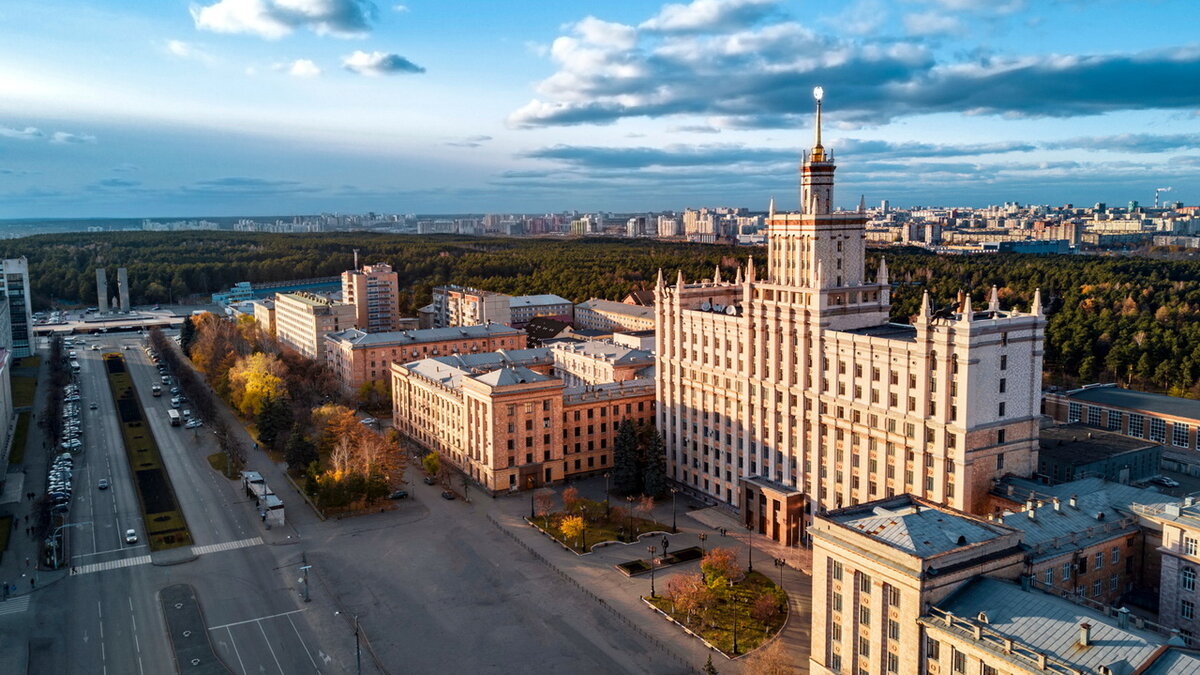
column 106, row 617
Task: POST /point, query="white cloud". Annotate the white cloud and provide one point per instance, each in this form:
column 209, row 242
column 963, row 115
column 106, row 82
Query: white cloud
column 64, row 138
column 400, row 8
column 702, row 16
column 304, row 68
column 273, row 19
column 26, row 134
column 186, row 50
column 931, row 23
column 379, row 63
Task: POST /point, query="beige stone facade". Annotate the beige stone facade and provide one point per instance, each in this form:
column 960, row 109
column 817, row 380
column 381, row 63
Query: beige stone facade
column 508, row 419
column 609, row 315
column 374, row 291
column 302, row 320
column 798, row 380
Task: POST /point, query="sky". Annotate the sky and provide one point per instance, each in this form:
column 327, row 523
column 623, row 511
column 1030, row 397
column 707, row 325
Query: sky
column 177, row 108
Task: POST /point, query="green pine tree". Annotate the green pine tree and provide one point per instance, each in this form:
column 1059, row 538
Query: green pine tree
column 709, row 668
column 655, row 460
column 300, row 451
column 627, row 480
column 187, row 335
column 274, row 422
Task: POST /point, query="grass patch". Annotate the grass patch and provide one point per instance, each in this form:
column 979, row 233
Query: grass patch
column 20, row 437
column 716, row 623
column 23, row 390
column 616, row 525
column 33, row 362
column 5, row 530
column 219, row 461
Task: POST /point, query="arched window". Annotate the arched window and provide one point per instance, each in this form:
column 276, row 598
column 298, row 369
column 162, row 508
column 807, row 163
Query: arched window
column 1187, row 578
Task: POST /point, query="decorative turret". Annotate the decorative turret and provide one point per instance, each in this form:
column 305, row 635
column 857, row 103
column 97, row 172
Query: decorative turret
column 679, row 281
column 717, row 275
column 968, row 314
column 994, row 301
column 816, row 173
column 738, row 280
column 881, row 276
column 771, row 209
column 1036, row 309
column 923, row 316
column 659, row 282
column 862, row 203
column 750, row 270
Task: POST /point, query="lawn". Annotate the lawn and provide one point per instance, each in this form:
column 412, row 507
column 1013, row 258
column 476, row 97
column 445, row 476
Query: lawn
column 615, row 526
column 23, row 389
column 19, row 435
column 219, row 461
column 716, row 624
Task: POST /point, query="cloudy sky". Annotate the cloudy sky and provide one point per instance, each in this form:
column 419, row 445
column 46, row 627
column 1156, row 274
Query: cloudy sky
column 241, row 107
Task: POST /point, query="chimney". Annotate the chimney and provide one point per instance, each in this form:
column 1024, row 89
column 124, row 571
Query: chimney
column 1074, row 501
column 1029, row 503
column 1031, row 513
column 1123, row 618
column 1058, row 504
column 1085, row 634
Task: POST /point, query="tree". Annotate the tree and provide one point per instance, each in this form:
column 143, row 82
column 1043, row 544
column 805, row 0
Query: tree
column 655, row 475
column 764, row 609
column 689, row 595
column 772, row 659
column 299, row 451
column 626, row 480
column 572, row 527
column 187, row 335
column 254, row 379
column 643, row 506
column 274, row 422
column 543, row 505
column 720, row 567
column 432, row 464
column 374, row 395
column 709, row 668
column 570, row 499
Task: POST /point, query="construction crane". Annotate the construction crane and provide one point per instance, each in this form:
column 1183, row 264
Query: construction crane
column 1158, row 191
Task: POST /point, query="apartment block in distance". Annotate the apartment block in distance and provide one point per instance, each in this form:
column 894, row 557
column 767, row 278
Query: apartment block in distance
column 461, row 306
column 357, row 357
column 374, row 290
column 509, row 420
column 302, row 320
column 906, row 585
column 791, row 394
column 610, row 315
column 14, row 285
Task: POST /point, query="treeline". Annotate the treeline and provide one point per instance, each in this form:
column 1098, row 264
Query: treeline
column 1128, row 319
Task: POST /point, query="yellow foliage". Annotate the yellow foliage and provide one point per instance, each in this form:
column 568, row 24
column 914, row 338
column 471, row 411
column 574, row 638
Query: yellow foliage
column 254, row 379
column 572, row 527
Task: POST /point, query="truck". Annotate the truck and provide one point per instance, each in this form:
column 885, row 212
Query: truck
column 173, row 415
column 156, row 390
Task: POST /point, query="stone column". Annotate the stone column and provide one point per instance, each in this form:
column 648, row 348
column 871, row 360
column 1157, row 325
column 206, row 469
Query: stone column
column 123, row 288
column 102, row 290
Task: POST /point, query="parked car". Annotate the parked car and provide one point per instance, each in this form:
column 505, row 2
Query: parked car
column 1165, row 481
column 193, row 423
column 429, row 480
column 103, row 484
column 398, row 494
column 131, row 537
column 92, row 406
column 446, row 494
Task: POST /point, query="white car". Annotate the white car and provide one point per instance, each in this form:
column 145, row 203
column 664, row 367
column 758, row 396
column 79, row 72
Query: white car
column 131, row 537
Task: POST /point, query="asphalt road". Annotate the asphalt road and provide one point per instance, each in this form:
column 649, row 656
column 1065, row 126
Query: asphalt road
column 106, row 617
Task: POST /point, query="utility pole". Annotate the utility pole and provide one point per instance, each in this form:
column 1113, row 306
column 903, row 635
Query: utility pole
column 305, row 567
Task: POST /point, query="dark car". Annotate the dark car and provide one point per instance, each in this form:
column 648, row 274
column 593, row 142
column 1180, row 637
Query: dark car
column 429, row 480
column 398, row 494
column 446, row 494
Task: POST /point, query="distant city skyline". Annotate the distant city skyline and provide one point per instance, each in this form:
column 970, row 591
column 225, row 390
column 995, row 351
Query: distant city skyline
column 244, row 107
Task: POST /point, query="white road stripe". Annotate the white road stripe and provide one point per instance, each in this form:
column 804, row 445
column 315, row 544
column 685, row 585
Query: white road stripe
column 226, row 546
column 145, row 559
column 14, row 605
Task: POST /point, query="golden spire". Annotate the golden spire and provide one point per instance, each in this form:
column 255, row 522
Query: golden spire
column 818, row 152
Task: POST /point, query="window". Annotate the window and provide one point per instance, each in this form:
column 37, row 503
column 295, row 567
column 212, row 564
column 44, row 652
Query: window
column 1049, row 576
column 864, row 615
column 1114, row 420
column 1189, row 546
column 864, row 583
column 835, row 631
column 1073, row 412
column 893, row 663
column 933, row 649
column 864, row 646
column 1093, row 417
column 837, row 570
column 1116, row 555
column 893, row 629
column 1000, row 457
column 1158, row 430
column 1100, row 560
column 1097, row 588
column 1187, row 578
column 1113, row 583
column 1179, row 435
column 985, row 669
column 1187, row 609
column 1001, row 409
column 1003, row 362
column 1136, row 424
column 892, row 594
column 835, row 662
column 837, row 602
column 959, row 662
column 1066, row 571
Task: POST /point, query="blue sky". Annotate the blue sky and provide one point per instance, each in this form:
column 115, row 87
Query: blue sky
column 129, row 108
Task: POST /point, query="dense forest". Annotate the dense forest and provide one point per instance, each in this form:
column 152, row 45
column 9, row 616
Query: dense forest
column 1128, row 319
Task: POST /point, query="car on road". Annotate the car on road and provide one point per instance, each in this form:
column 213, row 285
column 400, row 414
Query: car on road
column 186, row 413
column 92, row 406
column 446, row 494
column 131, row 537
column 428, row 480
column 1165, row 481
column 103, row 484
column 398, row 494
column 193, row 423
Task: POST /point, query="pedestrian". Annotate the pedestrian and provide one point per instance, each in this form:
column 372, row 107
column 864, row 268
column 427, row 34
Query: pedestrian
column 27, row 561
column 33, row 583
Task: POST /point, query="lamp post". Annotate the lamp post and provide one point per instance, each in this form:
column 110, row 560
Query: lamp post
column 305, row 567
column 629, row 500
column 606, row 509
column 702, row 536
column 531, row 513
column 54, row 539
column 357, row 646
column 652, row 551
column 583, row 517
column 780, row 563
column 750, row 547
column 736, row 609
column 674, row 529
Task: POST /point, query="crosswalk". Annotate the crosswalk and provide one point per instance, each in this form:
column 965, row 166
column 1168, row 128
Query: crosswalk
column 226, row 546
column 14, row 605
column 145, row 559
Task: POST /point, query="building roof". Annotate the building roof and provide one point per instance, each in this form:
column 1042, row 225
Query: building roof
column 402, row 338
column 489, row 360
column 1078, row 444
column 608, row 351
column 1051, row 625
column 639, row 333
column 1115, row 495
column 545, row 327
column 599, row 305
column 311, row 299
column 890, row 331
column 1138, row 400
column 1094, row 518
column 503, row 377
column 915, row 527
column 537, row 300
column 1175, row 661
column 641, row 298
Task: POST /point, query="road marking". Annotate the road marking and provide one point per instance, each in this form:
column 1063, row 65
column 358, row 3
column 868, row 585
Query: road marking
column 226, row 546
column 111, row 550
column 261, row 618
column 14, row 605
column 235, row 651
column 269, row 647
column 303, row 644
column 110, row 565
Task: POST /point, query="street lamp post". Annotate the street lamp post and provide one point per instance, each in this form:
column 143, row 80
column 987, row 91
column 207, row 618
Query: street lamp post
column 531, row 513
column 750, row 547
column 736, row 609
column 702, row 536
column 54, row 539
column 357, row 646
column 583, row 517
column 652, row 551
column 629, row 500
column 606, row 509
column 305, row 567
column 674, row 529
column 780, row 563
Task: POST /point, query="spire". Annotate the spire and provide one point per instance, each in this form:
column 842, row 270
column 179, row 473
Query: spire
column 750, row 270
column 679, row 281
column 862, row 203
column 1036, row 310
column 994, row 300
column 659, row 282
column 717, row 275
column 881, row 277
column 923, row 317
column 818, row 152
column 738, row 281
column 967, row 314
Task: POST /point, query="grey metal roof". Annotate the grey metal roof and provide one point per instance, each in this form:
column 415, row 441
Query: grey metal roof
column 1139, row 400
column 1117, row 495
column 503, row 377
column 1079, row 444
column 915, row 528
column 608, row 351
column 403, row 338
column 1175, row 661
column 1094, row 518
column 537, row 300
column 618, row 308
column 1050, row 625
column 891, row 331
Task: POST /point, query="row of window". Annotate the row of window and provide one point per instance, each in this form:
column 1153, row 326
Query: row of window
column 1180, row 433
